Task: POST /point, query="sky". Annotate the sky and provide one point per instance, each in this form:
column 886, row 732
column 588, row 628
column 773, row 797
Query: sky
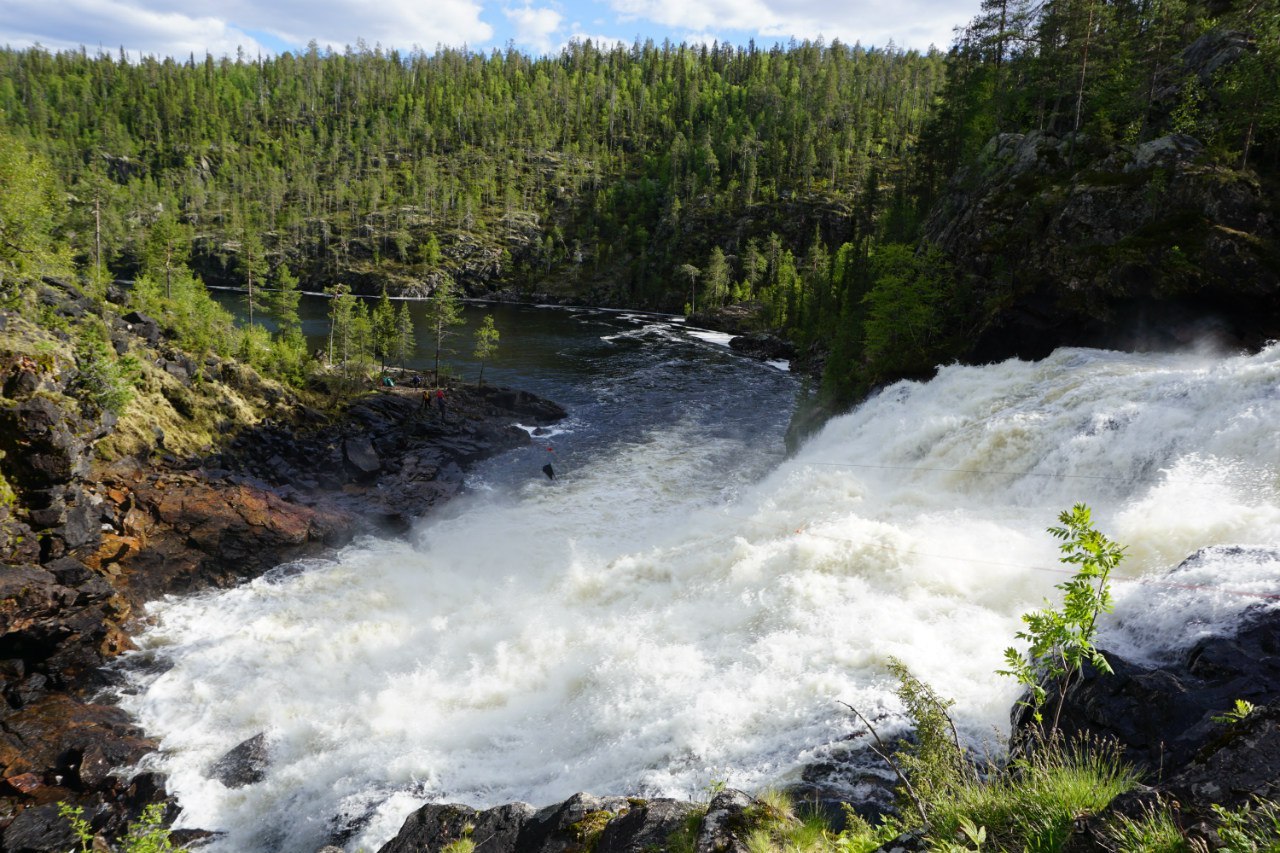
column 179, row 27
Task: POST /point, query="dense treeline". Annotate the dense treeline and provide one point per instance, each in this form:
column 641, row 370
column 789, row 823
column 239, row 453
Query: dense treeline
column 795, row 180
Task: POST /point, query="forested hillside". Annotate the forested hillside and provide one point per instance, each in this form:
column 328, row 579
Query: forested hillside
column 367, row 167
column 884, row 209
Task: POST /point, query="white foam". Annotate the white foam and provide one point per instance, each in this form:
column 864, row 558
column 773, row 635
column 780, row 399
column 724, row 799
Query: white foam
column 717, row 338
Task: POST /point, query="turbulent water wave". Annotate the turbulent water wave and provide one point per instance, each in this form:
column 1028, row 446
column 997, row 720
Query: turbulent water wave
column 666, row 615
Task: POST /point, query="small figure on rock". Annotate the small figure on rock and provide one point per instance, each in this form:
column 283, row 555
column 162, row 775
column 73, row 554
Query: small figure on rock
column 416, row 381
column 444, row 415
column 426, row 400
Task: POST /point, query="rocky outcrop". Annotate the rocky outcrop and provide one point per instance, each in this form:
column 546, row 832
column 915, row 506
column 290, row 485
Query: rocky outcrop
column 763, row 346
column 579, row 824
column 1062, row 242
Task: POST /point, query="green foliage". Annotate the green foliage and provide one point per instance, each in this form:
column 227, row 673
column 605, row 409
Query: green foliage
column 486, row 343
column 970, row 837
column 201, row 325
column 1252, row 828
column 906, row 319
column 148, row 834
column 684, row 839
column 167, row 248
column 587, row 830
column 466, row 844
column 1060, row 641
column 7, row 495
column 384, row 329
column 444, row 310
column 253, row 271
column 775, row 823
column 282, row 303
column 1238, row 713
column 611, row 164
column 405, row 342
column 80, row 827
column 30, row 209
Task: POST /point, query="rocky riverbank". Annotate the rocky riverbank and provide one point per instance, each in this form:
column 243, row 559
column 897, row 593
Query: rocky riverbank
column 212, row 476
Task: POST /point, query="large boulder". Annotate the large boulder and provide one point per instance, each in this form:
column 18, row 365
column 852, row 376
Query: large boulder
column 244, row 764
column 434, row 826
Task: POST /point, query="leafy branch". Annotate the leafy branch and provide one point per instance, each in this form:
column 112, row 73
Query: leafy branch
column 1060, row 640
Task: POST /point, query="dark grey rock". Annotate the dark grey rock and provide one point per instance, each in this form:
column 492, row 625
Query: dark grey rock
column 360, row 457
column 143, row 326
column 81, row 525
column 39, row 829
column 435, row 825
column 245, row 764
column 646, row 827
column 568, row 826
column 725, row 815
column 762, row 345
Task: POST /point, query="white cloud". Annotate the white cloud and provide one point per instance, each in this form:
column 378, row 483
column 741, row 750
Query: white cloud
column 909, row 23
column 534, row 27
column 167, row 27
column 112, row 24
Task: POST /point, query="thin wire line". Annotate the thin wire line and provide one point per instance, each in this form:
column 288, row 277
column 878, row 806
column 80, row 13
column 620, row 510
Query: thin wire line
column 1096, row 477
column 1054, row 570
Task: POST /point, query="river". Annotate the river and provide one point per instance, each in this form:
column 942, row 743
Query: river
column 684, row 605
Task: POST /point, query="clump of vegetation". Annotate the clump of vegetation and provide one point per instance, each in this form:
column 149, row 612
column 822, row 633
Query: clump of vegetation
column 7, row 495
column 1239, row 712
column 147, row 834
column 775, row 823
column 104, row 379
column 587, row 830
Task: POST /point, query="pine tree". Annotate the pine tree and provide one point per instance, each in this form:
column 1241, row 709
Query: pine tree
column 486, row 344
column 253, row 266
column 384, row 329
column 167, row 249
column 444, row 310
column 405, row 343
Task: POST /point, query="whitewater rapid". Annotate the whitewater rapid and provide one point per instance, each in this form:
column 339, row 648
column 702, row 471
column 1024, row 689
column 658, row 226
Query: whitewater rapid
column 665, row 616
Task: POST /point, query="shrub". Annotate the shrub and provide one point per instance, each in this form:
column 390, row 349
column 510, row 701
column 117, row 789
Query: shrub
column 145, row 835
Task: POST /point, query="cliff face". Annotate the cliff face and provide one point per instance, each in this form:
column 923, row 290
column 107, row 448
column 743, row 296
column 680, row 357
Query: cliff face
column 1143, row 245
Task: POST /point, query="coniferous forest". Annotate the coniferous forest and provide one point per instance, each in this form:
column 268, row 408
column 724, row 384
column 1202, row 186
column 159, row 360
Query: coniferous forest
column 797, row 181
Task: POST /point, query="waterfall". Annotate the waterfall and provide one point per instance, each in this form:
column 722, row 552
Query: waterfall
column 667, row 615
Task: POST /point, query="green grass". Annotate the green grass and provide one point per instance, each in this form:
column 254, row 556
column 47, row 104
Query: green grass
column 1033, row 804
column 1154, row 832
